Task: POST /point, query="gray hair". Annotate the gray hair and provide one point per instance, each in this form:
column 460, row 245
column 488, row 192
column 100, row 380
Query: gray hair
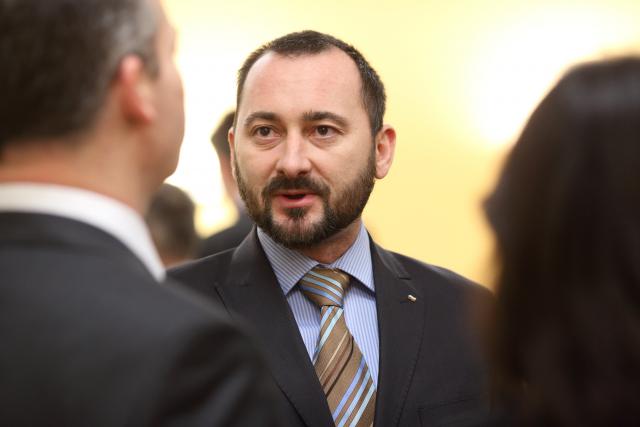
column 59, row 58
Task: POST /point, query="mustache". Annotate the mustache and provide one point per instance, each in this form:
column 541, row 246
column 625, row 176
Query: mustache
column 282, row 182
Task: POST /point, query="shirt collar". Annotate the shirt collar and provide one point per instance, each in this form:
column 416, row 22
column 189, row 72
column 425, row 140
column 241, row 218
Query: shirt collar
column 290, row 266
column 97, row 210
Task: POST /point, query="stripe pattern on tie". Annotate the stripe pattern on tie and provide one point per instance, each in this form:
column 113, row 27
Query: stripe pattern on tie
column 340, row 366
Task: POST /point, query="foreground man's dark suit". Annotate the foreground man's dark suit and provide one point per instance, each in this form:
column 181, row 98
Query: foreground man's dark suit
column 431, row 373
column 90, row 339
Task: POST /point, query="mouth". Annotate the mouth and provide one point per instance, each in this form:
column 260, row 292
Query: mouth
column 295, row 198
column 294, row 194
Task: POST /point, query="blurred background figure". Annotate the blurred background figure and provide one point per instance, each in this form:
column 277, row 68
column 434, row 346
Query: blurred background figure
column 566, row 215
column 170, row 219
column 232, row 236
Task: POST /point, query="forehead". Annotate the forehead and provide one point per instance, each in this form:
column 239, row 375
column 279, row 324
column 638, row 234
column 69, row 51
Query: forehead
column 325, row 81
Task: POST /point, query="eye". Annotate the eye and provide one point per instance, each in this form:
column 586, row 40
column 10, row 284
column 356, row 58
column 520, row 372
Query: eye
column 325, row 131
column 263, row 131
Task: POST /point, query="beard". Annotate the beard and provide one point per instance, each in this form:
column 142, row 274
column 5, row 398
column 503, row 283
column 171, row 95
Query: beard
column 295, row 233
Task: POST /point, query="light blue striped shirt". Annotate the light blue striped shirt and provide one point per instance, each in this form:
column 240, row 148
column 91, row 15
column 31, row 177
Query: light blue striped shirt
column 359, row 303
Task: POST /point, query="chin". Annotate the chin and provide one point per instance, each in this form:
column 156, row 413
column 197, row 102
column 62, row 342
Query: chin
column 298, row 221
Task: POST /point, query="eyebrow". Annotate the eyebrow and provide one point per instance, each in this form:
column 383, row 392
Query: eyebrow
column 260, row 115
column 309, row 116
column 316, row 116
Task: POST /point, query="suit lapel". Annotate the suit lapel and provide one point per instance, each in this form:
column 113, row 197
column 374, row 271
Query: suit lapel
column 251, row 292
column 400, row 324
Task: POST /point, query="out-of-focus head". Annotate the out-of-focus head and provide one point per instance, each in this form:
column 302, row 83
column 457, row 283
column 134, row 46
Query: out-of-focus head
column 219, row 138
column 220, row 141
column 60, row 56
column 171, row 223
column 566, row 215
column 313, row 43
column 92, row 70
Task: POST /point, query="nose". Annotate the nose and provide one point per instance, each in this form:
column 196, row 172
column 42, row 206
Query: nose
column 294, row 160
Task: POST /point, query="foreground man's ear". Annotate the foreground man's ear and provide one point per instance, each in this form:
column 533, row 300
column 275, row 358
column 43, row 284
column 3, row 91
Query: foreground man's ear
column 385, row 149
column 134, row 90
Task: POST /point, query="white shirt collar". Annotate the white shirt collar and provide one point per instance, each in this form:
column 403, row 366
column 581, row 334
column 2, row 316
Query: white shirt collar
column 100, row 211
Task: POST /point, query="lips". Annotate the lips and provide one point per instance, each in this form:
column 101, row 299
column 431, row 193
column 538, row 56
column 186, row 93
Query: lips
column 293, row 194
column 294, row 198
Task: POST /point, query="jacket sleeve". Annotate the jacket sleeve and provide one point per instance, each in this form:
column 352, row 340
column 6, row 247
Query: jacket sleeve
column 214, row 377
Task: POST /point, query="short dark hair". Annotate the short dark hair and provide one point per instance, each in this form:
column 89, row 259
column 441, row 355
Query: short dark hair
column 220, row 137
column 170, row 218
column 566, row 215
column 59, row 56
column 311, row 43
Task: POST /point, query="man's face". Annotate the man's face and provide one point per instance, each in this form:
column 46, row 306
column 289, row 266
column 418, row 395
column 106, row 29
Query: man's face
column 304, row 156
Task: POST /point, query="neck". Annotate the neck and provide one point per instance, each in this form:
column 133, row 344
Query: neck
column 70, row 166
column 335, row 246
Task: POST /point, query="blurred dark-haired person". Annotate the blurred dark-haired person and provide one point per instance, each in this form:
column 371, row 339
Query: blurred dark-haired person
column 355, row 335
column 171, row 222
column 91, row 121
column 566, row 216
column 232, row 236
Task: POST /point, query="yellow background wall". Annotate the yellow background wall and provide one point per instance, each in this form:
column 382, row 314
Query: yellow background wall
column 461, row 78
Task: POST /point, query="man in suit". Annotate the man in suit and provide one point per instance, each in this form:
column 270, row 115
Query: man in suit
column 232, row 236
column 91, row 121
column 308, row 143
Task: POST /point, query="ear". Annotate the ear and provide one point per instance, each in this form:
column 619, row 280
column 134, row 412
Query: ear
column 385, row 148
column 135, row 94
column 232, row 143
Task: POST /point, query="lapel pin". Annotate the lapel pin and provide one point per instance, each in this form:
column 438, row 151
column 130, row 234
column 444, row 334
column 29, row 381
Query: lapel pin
column 411, row 298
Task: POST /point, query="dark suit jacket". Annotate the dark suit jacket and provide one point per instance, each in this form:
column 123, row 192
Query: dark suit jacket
column 228, row 238
column 431, row 373
column 89, row 338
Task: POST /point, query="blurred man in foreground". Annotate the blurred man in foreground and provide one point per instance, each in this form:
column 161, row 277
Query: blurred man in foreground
column 355, row 334
column 91, row 121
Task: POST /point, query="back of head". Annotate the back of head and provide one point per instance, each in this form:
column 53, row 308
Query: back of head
column 58, row 58
column 311, row 43
column 566, row 214
column 171, row 223
column 219, row 138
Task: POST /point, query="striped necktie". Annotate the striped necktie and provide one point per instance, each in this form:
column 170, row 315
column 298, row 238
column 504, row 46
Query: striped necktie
column 340, row 366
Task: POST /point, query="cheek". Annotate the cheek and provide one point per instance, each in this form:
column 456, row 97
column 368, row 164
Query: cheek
column 178, row 85
column 347, row 171
column 256, row 167
column 338, row 170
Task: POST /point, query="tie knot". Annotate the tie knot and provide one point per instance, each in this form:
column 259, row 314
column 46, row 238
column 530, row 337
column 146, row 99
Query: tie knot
column 325, row 286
